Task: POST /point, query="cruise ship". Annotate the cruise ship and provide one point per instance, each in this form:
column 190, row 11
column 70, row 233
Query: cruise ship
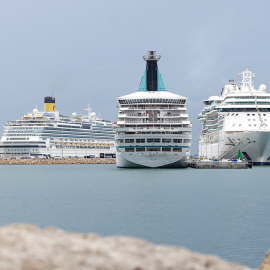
column 152, row 128
column 50, row 134
column 236, row 120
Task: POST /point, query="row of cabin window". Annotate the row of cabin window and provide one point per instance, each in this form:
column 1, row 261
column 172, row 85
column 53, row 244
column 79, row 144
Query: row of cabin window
column 153, row 149
column 249, row 125
column 153, row 140
column 247, row 114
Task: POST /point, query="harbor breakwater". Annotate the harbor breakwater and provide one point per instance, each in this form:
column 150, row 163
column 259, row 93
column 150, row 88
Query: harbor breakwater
column 26, row 247
column 51, row 161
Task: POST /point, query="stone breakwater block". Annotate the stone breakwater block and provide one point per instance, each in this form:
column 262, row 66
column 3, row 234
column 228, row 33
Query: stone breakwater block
column 26, row 247
column 265, row 265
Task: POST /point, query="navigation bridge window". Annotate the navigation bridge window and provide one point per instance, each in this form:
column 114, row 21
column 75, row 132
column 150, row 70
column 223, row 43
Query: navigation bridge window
column 129, row 149
column 140, row 149
column 140, row 140
column 177, row 140
column 166, row 141
column 129, row 141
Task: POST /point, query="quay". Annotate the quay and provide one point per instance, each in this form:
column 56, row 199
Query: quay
column 219, row 164
column 52, row 161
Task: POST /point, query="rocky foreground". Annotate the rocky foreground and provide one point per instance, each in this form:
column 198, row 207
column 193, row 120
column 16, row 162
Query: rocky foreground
column 26, row 247
column 43, row 161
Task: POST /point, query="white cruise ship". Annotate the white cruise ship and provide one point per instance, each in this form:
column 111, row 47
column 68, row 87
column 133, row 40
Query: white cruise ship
column 51, row 134
column 238, row 119
column 152, row 129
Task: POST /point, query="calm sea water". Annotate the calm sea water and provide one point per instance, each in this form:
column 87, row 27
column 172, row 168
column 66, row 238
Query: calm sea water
column 222, row 212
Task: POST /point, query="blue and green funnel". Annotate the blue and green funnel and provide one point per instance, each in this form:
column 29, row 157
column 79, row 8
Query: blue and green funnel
column 151, row 80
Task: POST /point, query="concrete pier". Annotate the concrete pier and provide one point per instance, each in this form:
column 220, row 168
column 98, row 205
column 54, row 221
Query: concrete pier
column 219, row 164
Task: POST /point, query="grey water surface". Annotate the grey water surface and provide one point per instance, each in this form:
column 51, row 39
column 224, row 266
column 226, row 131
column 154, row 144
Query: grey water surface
column 222, row 212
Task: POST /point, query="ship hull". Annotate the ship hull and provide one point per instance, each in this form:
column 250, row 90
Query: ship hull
column 150, row 160
column 254, row 145
column 30, row 149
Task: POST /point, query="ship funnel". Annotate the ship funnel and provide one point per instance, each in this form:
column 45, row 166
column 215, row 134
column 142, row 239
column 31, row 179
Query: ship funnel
column 151, row 80
column 49, row 104
column 151, row 56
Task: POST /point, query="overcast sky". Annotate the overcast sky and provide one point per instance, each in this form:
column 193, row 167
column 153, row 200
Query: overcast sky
column 91, row 51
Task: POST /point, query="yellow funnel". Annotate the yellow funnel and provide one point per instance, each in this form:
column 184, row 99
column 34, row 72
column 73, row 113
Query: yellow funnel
column 49, row 104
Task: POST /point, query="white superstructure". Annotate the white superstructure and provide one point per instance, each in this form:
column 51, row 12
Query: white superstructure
column 51, row 134
column 152, row 129
column 238, row 119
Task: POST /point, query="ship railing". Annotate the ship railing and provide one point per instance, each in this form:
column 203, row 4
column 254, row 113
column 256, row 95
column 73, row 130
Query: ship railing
column 171, row 114
column 164, row 107
column 153, row 128
column 152, row 122
column 136, row 115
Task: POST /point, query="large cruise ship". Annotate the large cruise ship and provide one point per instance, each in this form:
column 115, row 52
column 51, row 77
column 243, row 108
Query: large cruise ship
column 237, row 120
column 50, row 134
column 152, row 129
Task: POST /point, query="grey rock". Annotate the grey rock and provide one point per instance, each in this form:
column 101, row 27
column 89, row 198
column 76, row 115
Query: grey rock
column 26, row 247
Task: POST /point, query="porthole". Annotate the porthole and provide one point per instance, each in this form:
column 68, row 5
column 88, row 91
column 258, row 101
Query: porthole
column 254, row 125
column 248, row 114
column 254, row 119
column 233, row 125
column 264, row 114
column 250, row 125
column 265, row 119
column 239, row 125
column 253, row 114
column 232, row 114
column 236, row 114
column 248, row 119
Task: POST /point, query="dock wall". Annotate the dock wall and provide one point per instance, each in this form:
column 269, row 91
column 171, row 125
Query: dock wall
column 200, row 164
column 64, row 161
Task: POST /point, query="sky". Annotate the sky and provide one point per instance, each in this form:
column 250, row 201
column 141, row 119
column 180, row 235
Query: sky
column 91, row 51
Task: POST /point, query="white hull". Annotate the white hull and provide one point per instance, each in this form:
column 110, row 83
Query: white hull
column 150, row 160
column 39, row 147
column 253, row 144
column 79, row 152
